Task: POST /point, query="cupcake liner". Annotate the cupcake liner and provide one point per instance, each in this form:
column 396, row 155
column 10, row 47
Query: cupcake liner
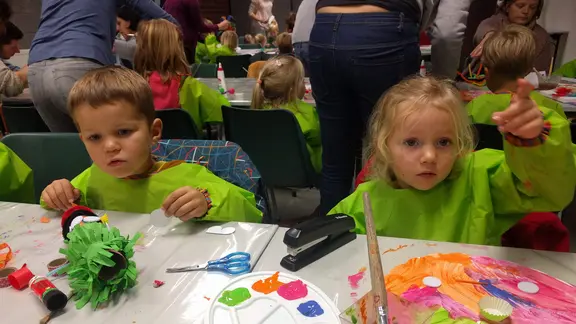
column 495, row 309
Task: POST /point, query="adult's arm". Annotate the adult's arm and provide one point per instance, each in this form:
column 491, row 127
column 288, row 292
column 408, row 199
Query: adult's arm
column 11, row 84
column 150, row 10
column 196, row 19
column 447, row 35
column 253, row 9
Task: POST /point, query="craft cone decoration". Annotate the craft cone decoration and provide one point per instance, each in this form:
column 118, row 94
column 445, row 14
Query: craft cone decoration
column 99, row 262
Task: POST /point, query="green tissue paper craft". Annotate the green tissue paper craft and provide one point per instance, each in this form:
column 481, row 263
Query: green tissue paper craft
column 100, row 264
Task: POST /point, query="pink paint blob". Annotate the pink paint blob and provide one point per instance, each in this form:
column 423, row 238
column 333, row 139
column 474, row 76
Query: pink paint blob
column 354, row 279
column 293, row 290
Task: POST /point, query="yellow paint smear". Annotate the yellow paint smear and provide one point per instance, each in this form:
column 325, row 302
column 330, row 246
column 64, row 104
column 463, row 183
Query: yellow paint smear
column 449, row 268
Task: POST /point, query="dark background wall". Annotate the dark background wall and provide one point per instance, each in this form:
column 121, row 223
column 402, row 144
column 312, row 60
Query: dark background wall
column 26, row 16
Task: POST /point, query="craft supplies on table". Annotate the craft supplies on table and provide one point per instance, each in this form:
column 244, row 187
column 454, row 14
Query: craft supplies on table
column 233, row 264
column 271, row 298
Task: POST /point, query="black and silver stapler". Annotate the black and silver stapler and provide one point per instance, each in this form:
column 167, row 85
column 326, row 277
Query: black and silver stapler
column 315, row 238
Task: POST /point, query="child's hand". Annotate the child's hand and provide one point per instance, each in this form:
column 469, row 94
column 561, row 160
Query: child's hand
column 60, row 195
column 522, row 118
column 185, row 203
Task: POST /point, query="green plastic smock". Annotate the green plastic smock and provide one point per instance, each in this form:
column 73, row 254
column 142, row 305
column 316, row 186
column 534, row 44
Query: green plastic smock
column 16, row 181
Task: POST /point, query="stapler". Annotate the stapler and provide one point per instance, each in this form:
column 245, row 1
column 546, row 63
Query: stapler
column 315, row 238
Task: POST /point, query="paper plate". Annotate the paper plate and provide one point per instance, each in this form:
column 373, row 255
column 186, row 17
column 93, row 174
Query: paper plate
column 249, row 306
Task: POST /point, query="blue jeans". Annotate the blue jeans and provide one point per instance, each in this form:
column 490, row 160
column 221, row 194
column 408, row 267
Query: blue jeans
column 354, row 59
column 301, row 52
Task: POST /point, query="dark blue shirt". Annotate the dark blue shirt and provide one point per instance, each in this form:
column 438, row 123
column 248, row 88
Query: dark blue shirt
column 83, row 28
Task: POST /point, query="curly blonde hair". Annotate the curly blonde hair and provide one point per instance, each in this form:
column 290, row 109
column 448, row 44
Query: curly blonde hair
column 410, row 97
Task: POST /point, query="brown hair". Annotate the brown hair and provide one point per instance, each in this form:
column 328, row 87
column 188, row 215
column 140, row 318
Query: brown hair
column 406, row 98
column 290, row 21
column 281, row 82
column 160, row 49
column 229, row 39
column 284, row 43
column 249, row 39
column 260, row 38
column 111, row 84
column 505, row 4
column 509, row 53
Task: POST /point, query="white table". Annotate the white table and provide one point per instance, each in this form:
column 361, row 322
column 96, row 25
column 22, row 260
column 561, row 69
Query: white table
column 180, row 300
column 331, row 272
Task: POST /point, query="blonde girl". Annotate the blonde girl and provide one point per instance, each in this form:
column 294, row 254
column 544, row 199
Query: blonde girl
column 249, row 39
column 427, row 183
column 160, row 58
column 227, row 46
column 281, row 86
column 260, row 39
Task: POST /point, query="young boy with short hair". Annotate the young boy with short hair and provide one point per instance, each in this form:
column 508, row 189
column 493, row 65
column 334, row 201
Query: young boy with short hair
column 114, row 112
column 508, row 55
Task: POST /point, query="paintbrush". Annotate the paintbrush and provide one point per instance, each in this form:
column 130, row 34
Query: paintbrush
column 376, row 272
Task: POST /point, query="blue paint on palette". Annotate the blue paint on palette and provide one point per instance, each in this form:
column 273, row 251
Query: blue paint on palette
column 503, row 294
column 310, row 309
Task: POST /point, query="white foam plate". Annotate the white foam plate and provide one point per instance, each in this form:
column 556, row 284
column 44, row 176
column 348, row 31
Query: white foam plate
column 271, row 308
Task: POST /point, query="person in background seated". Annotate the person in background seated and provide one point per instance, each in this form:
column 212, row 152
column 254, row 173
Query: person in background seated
column 249, row 39
column 281, row 86
column 567, row 70
column 9, row 45
column 290, row 21
column 260, row 39
column 114, row 110
column 508, row 55
column 16, row 180
column 227, row 46
column 284, row 44
column 13, row 79
column 127, row 21
column 427, row 184
column 524, row 13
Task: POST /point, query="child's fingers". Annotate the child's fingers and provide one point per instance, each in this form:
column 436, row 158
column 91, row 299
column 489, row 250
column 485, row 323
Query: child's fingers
column 521, row 120
column 56, row 195
column 190, row 210
column 530, row 130
column 76, row 194
column 48, row 200
column 524, row 89
column 68, row 192
column 501, row 118
column 169, row 201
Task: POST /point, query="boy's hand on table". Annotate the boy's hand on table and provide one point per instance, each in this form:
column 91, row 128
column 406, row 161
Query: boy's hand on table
column 522, row 118
column 60, row 195
column 185, row 203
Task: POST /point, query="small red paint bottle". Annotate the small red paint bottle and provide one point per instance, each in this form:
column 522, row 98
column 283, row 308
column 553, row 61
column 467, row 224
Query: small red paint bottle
column 45, row 290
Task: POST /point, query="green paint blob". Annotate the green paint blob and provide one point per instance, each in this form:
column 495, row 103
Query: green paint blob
column 235, row 297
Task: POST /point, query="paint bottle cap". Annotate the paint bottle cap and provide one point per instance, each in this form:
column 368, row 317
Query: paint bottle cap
column 495, row 309
column 55, row 300
column 19, row 279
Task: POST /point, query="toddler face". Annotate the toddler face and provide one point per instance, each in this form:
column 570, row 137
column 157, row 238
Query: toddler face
column 422, row 149
column 117, row 137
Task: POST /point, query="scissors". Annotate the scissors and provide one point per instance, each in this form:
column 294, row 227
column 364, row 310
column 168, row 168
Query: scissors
column 233, row 264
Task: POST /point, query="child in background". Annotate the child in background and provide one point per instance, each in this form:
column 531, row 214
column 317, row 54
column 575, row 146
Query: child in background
column 249, row 39
column 284, row 44
column 281, row 86
column 127, row 21
column 290, row 22
column 508, row 55
column 114, row 112
column 260, row 39
column 427, row 184
column 16, row 181
column 229, row 43
column 161, row 60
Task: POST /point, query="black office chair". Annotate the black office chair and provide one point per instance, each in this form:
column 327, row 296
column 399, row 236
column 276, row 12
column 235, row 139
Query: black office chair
column 488, row 137
column 178, row 124
column 250, row 46
column 22, row 117
column 204, row 70
column 235, row 66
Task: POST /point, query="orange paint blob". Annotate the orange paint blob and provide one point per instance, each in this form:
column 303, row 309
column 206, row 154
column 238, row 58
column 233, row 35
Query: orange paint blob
column 363, row 269
column 268, row 285
column 449, row 268
column 45, row 220
column 431, row 244
column 400, row 247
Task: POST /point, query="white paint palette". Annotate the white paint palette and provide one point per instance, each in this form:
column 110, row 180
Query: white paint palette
column 290, row 300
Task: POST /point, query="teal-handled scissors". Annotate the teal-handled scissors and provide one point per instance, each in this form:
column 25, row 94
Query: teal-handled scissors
column 233, row 264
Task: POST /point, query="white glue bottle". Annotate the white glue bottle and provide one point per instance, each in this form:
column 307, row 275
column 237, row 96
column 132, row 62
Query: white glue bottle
column 423, row 68
column 221, row 78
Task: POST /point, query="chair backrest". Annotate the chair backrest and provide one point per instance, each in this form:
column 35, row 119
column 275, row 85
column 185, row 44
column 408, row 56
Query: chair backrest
column 250, row 46
column 488, row 137
column 225, row 159
column 275, row 143
column 22, row 117
column 241, row 40
column 51, row 156
column 235, row 66
column 255, row 68
column 204, row 70
column 177, row 124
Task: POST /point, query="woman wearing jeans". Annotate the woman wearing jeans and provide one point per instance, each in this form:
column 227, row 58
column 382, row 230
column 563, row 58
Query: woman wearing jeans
column 73, row 37
column 359, row 49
